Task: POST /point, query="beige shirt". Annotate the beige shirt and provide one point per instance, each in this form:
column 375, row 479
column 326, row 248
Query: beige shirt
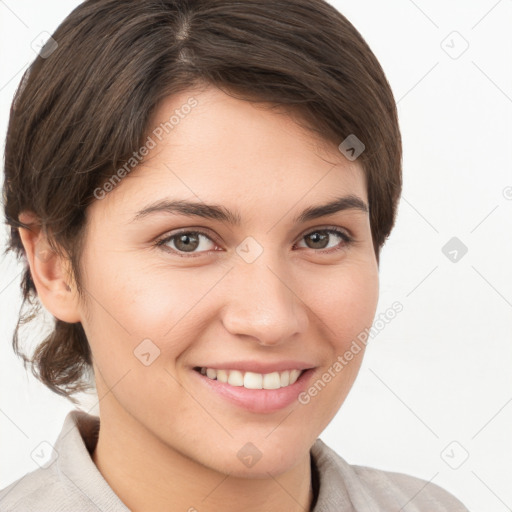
column 71, row 482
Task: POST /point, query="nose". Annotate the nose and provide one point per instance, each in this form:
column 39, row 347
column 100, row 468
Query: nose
column 262, row 304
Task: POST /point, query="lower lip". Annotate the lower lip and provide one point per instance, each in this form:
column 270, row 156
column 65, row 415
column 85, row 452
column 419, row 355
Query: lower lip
column 258, row 400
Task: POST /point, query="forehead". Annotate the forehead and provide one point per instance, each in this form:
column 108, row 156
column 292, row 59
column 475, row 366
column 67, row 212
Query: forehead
column 209, row 146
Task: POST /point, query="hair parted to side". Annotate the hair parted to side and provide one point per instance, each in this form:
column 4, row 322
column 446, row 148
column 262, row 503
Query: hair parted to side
column 81, row 112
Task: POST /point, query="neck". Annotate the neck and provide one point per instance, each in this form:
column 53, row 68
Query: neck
column 147, row 474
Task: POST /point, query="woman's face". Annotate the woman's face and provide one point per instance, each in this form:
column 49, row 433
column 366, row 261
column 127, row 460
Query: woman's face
column 263, row 286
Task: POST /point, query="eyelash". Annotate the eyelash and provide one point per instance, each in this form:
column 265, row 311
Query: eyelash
column 160, row 243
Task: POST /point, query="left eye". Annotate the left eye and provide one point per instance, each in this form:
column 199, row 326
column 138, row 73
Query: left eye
column 190, row 241
column 321, row 236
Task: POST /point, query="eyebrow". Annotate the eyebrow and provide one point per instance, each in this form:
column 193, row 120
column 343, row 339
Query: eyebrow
column 218, row 212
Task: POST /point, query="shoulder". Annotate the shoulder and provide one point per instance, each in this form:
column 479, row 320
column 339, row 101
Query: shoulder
column 34, row 491
column 385, row 490
column 405, row 489
column 69, row 480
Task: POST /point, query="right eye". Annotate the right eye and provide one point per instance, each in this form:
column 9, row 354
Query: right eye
column 185, row 242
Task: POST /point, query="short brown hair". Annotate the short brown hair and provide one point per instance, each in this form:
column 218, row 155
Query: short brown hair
column 83, row 109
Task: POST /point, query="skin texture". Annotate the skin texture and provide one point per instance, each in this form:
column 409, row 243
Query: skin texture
column 166, row 442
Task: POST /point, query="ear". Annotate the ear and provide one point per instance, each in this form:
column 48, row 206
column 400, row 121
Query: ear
column 50, row 272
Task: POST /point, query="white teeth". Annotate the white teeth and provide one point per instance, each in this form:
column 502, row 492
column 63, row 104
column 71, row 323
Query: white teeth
column 236, row 378
column 251, row 380
column 294, row 375
column 222, row 375
column 271, row 380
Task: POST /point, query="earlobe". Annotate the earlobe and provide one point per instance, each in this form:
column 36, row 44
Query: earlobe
column 49, row 271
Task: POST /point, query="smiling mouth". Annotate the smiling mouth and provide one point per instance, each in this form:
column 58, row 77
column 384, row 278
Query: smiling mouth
column 252, row 380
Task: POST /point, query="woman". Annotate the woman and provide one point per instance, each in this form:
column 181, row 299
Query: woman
column 201, row 190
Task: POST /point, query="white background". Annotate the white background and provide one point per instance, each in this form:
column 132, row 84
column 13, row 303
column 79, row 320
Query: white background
column 440, row 372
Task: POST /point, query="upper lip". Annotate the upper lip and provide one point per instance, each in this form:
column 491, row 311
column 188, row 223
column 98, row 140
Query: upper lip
column 257, row 367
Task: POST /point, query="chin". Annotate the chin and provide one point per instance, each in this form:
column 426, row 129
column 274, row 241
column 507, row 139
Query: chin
column 256, row 459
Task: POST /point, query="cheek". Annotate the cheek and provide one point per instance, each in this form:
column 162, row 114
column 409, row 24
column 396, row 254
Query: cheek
column 138, row 310
column 345, row 306
column 345, row 300
column 145, row 300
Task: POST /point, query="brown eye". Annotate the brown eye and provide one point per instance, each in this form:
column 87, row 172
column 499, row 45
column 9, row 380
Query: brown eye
column 186, row 242
column 320, row 239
